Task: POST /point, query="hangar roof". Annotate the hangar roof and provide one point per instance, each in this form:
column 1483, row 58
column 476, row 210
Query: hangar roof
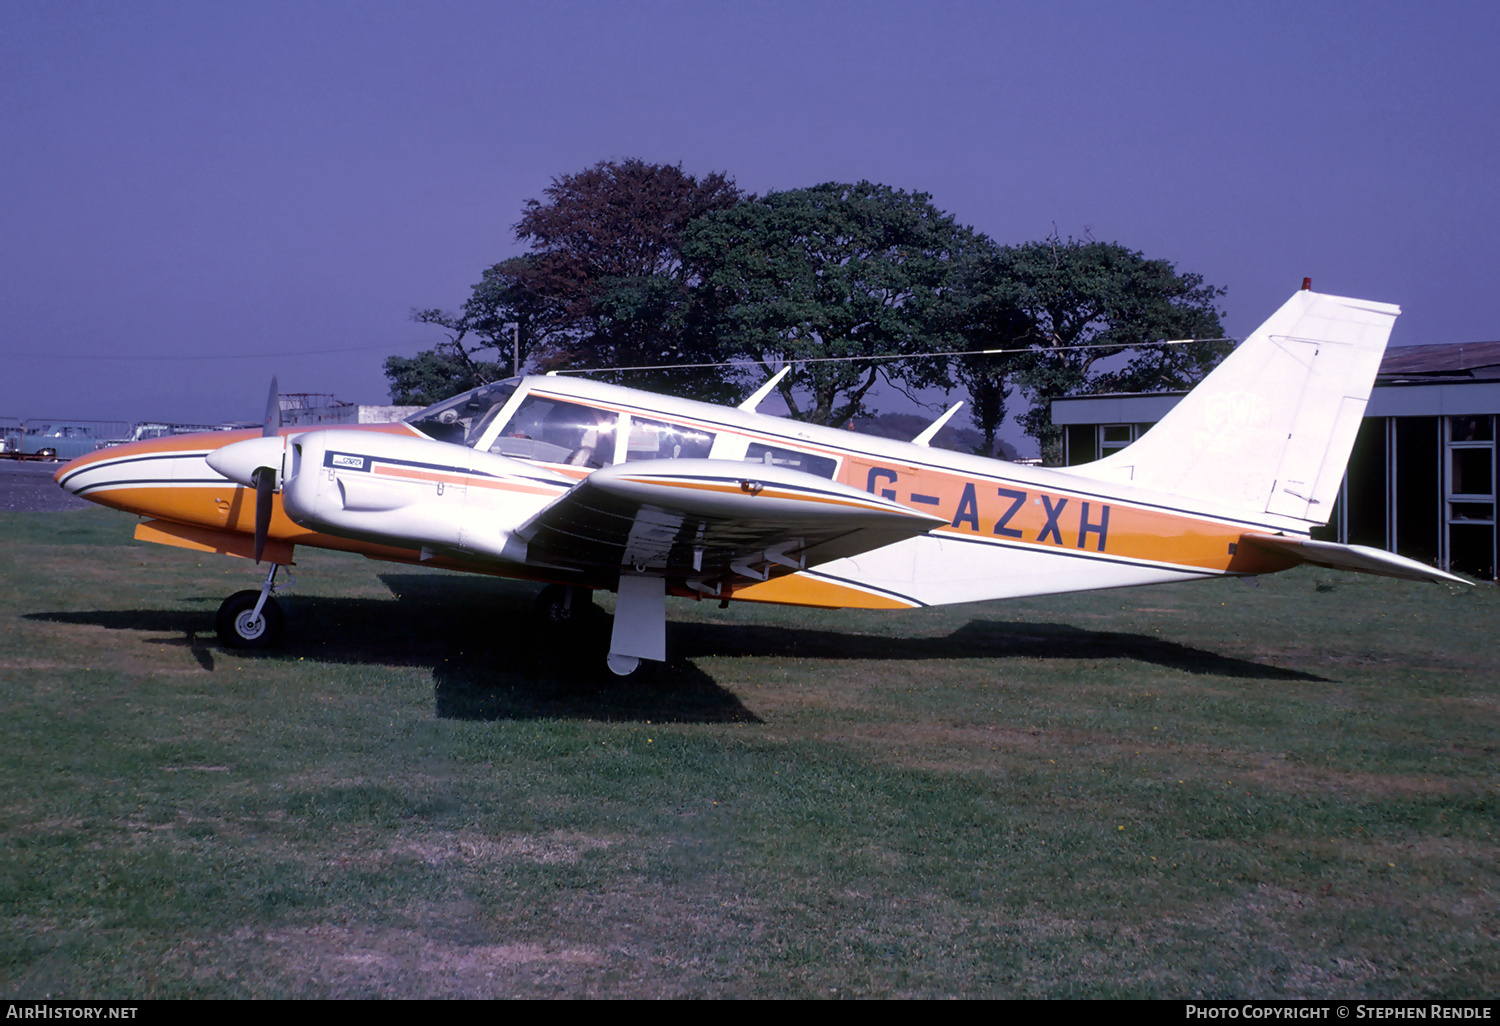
column 1413, row 381
column 1453, row 359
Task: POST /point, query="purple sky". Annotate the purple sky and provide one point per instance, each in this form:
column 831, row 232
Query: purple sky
column 183, row 185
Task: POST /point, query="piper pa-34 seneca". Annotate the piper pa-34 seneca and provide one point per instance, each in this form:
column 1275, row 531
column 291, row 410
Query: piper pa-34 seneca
column 584, row 486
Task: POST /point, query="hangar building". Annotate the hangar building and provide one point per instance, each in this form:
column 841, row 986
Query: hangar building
column 1421, row 479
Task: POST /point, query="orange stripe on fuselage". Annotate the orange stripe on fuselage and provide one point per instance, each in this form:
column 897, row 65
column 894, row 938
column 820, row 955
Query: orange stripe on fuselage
column 461, row 479
column 227, row 508
column 207, row 441
column 801, row 590
column 222, row 505
column 765, row 492
column 1019, row 513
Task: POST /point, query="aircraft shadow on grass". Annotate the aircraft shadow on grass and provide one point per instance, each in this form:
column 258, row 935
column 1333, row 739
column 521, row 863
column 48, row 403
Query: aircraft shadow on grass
column 480, row 641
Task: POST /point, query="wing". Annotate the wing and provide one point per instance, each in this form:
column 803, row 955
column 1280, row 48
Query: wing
column 711, row 524
column 706, row 525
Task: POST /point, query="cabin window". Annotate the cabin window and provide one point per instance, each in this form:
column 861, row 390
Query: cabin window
column 553, row 431
column 464, row 418
column 658, row 440
column 792, row 459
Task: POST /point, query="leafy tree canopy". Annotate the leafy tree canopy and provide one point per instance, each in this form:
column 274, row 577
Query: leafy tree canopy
column 631, row 264
column 836, row 270
column 984, row 313
column 1085, row 293
column 603, row 283
column 431, row 376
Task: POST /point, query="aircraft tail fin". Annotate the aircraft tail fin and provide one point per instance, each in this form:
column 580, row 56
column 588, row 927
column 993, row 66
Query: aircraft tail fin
column 1271, row 428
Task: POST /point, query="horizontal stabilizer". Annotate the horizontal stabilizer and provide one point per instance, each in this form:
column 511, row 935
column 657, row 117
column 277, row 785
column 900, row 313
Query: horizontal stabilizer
column 1357, row 558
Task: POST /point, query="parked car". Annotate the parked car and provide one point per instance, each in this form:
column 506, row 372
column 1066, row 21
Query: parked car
column 60, row 440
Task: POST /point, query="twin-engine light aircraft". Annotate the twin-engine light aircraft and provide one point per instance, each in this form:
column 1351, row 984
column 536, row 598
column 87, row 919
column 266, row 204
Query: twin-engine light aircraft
column 585, row 486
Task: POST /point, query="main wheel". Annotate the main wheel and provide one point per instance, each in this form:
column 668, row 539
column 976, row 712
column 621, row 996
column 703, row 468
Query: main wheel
column 239, row 627
column 551, row 606
column 554, row 611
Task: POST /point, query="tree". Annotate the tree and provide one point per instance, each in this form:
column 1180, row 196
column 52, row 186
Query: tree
column 1085, row 293
column 505, row 312
column 603, row 283
column 985, row 316
column 607, row 249
column 432, row 376
column 838, row 271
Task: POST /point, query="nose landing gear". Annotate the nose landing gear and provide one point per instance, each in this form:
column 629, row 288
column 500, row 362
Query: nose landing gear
column 252, row 619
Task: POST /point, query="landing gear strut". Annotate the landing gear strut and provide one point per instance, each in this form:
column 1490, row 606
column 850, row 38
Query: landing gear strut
column 252, row 619
column 573, row 626
column 560, row 606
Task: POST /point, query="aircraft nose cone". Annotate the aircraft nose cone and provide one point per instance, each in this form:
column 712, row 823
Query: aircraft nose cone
column 240, row 460
column 65, row 477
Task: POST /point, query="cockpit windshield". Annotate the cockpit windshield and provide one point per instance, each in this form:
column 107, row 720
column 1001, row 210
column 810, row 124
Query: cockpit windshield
column 463, row 419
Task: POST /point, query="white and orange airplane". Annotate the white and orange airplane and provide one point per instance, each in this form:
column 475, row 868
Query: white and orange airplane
column 586, row 486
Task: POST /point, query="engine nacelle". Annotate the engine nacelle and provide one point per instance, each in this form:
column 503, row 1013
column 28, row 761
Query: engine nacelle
column 413, row 492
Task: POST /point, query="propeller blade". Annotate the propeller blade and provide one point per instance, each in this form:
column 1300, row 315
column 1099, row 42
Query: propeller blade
column 265, row 488
column 273, row 412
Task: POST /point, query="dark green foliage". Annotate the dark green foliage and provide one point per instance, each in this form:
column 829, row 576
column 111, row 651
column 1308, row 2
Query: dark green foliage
column 1085, row 293
column 636, row 265
column 837, row 270
column 606, row 248
column 507, row 313
column 604, row 283
column 432, row 376
column 984, row 312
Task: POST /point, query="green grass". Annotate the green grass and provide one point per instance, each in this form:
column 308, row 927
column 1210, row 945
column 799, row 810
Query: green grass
column 1215, row 790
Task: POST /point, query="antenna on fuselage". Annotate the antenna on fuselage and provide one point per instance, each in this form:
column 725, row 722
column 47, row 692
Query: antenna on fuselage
column 932, row 429
column 760, row 393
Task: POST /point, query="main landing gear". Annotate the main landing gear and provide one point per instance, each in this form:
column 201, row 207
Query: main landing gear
column 559, row 607
column 252, row 619
column 570, row 623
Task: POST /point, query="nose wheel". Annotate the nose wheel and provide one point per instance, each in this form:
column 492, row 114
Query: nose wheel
column 240, row 626
column 252, row 619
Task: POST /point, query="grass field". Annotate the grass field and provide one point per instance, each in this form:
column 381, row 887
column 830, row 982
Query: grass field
column 1216, row 789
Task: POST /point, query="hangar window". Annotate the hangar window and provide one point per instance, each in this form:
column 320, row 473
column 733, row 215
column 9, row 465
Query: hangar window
column 1471, row 495
column 1114, row 437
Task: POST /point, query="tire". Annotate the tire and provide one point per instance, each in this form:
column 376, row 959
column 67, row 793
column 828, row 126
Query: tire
column 554, row 614
column 237, row 630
